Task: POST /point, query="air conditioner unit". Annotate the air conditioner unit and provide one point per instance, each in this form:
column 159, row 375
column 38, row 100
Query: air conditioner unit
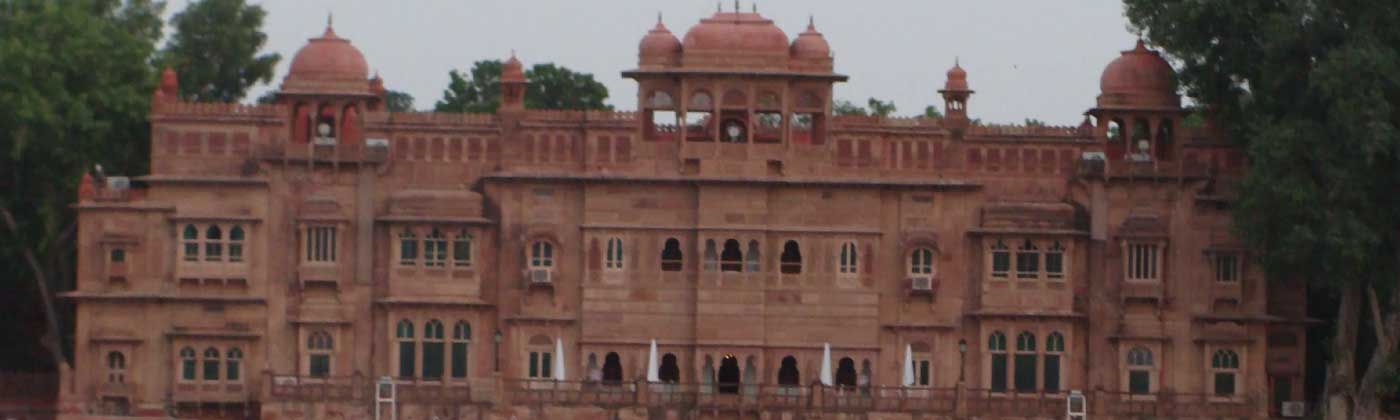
column 377, row 143
column 1293, row 409
column 323, row 141
column 118, row 183
column 921, row 283
column 539, row 276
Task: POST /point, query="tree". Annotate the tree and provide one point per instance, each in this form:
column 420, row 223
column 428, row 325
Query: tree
column 880, row 108
column 931, row 111
column 396, row 101
column 845, row 107
column 76, row 92
column 1312, row 91
column 1032, row 122
column 215, row 50
column 551, row 87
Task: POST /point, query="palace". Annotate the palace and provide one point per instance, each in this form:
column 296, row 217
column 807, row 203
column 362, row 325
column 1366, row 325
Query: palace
column 731, row 249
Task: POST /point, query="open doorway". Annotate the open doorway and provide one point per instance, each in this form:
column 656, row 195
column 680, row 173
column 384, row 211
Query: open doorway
column 729, row 375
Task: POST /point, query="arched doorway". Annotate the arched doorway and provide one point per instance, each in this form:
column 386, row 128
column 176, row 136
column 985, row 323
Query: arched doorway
column 669, row 371
column 846, row 373
column 729, row 375
column 612, row 368
column 788, row 373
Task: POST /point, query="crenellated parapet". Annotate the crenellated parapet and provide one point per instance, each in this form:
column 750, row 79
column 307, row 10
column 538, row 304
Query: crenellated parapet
column 177, row 111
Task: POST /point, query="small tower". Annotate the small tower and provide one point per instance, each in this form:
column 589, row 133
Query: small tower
column 512, row 85
column 169, row 89
column 955, row 95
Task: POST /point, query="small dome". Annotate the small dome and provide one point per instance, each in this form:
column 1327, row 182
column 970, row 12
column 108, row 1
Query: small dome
column 512, row 70
column 1139, row 77
column 957, row 79
column 328, row 62
column 736, row 32
column 810, row 44
column 659, row 44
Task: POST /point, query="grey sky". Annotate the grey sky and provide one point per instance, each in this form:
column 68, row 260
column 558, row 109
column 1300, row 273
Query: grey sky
column 1025, row 58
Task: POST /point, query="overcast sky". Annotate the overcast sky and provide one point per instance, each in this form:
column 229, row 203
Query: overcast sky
column 1025, row 58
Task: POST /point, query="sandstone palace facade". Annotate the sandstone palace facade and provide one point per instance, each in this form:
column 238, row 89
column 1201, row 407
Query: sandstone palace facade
column 281, row 261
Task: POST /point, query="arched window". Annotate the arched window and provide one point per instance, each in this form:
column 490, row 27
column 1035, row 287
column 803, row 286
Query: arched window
column 540, row 365
column 613, row 261
column 1055, row 261
column 846, row 373
column 461, row 340
column 432, row 349
column 116, row 367
column 462, row 249
column 791, row 260
column 1000, row 261
column 661, row 100
column 752, row 258
column 187, row 364
column 211, row 364
column 612, row 368
column 1140, row 369
column 849, row 263
column 235, row 244
column 1027, row 261
column 731, row 259
column 711, row 256
column 1225, row 367
column 788, row 374
column 541, row 254
column 435, row 249
column 921, row 262
column 319, row 346
column 408, row 348
column 190, row 239
column 408, row 247
column 669, row 372
column 1054, row 349
column 671, row 257
column 996, row 345
column 729, row 377
column 213, row 244
column 233, row 365
column 1025, row 362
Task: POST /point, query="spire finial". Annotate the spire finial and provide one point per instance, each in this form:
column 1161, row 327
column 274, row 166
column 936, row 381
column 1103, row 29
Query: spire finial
column 330, row 20
column 736, row 6
column 658, row 17
column 811, row 22
column 717, row 8
column 755, row 7
column 957, row 61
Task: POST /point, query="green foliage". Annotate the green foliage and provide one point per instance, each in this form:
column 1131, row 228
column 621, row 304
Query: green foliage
column 75, row 92
column 880, row 108
column 215, row 50
column 551, row 87
column 1032, row 122
column 1312, row 89
column 845, row 107
column 932, row 111
column 396, row 101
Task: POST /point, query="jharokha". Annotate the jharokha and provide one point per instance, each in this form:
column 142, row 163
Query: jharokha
column 729, row 250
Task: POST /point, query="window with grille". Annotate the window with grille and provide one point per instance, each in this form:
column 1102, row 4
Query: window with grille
column 212, row 243
column 1027, row 261
column 539, row 365
column 116, row 367
column 320, row 244
column 408, row 348
column 849, row 260
column 1225, row 367
column 541, row 255
column 1227, row 268
column 1001, row 260
column 319, row 347
column 462, row 250
column 1142, row 262
column 433, row 349
column 921, row 262
column 1054, row 351
column 233, row 365
column 1055, row 261
column 996, row 345
column 613, row 259
column 408, row 248
column 461, row 340
column 1140, row 365
column 435, row 249
column 1025, row 362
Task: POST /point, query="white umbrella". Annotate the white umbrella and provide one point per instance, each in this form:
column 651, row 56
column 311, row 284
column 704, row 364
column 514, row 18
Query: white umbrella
column 558, row 359
column 826, row 365
column 908, row 365
column 653, row 372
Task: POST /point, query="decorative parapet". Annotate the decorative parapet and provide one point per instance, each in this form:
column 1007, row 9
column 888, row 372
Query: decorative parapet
column 1013, row 130
column 430, row 118
column 217, row 111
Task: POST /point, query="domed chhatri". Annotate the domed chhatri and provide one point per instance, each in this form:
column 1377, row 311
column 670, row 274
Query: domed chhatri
column 513, row 70
column 810, row 44
column 1139, row 78
column 736, row 31
column 957, row 79
column 327, row 64
column 659, row 46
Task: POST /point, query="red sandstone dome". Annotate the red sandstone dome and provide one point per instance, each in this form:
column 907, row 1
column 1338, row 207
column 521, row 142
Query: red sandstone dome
column 810, row 44
column 957, row 79
column 1139, row 77
column 327, row 64
column 512, row 70
column 746, row 32
column 659, row 42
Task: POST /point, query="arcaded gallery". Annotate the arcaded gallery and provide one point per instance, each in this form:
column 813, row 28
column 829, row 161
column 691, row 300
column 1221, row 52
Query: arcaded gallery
column 731, row 249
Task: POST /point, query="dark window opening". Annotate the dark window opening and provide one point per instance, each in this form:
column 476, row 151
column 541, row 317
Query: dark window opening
column 671, row 257
column 788, row 373
column 791, row 260
column 729, row 375
column 1139, row 382
column 846, row 372
column 998, row 373
column 612, row 368
column 669, row 372
column 1052, row 373
column 731, row 258
column 1025, row 372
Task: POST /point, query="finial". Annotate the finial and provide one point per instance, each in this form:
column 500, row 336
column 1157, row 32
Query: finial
column 717, row 7
column 755, row 7
column 658, row 17
column 957, row 61
column 811, row 23
column 736, row 6
column 330, row 19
